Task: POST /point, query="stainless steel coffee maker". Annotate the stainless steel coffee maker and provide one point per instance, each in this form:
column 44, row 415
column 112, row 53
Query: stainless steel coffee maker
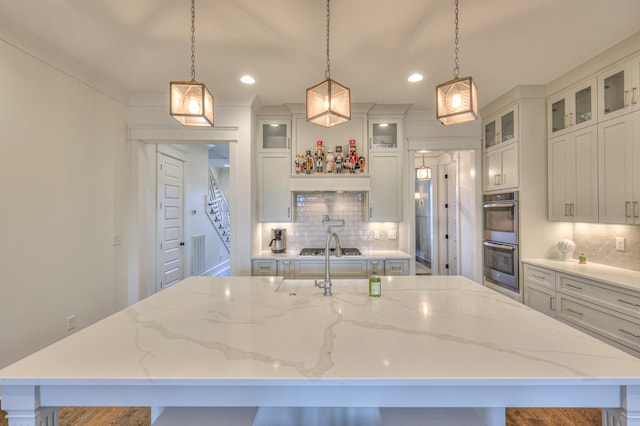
column 278, row 242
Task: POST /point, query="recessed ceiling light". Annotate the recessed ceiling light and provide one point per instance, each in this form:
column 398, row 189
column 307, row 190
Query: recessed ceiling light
column 384, row 124
column 247, row 79
column 414, row 78
column 226, row 165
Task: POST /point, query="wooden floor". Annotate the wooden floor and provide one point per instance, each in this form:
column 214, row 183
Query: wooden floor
column 91, row 416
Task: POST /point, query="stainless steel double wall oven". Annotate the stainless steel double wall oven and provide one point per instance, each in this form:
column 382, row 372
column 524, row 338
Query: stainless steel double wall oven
column 500, row 234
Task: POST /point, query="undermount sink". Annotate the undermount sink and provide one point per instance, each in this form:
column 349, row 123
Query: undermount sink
column 296, row 287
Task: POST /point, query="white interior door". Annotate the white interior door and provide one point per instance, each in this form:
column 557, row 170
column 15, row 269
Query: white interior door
column 170, row 257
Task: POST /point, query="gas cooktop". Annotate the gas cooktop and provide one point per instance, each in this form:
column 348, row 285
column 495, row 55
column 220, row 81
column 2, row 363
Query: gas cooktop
column 320, row 252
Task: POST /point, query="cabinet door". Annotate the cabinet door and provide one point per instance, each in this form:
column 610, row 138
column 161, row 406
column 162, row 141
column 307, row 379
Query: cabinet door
column 490, row 133
column 509, row 125
column 286, row 269
column 615, row 170
column 386, row 185
column 540, row 299
column 509, row 160
column 492, row 170
column 636, row 169
column 274, row 135
column 583, row 187
column 561, row 172
column 385, row 134
column 615, row 91
column 275, row 199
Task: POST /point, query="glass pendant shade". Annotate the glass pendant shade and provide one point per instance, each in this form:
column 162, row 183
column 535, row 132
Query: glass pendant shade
column 457, row 101
column 423, row 173
column 191, row 103
column 328, row 103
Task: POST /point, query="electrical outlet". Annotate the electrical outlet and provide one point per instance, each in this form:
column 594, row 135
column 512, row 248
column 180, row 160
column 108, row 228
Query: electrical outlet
column 117, row 240
column 71, row 322
column 620, row 243
column 376, row 235
column 391, row 234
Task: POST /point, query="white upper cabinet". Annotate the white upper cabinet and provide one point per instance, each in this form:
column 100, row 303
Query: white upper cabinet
column 501, row 128
column 501, row 168
column 385, row 197
column 573, row 176
column 572, row 109
column 274, row 136
column 619, row 170
column 385, row 134
column 619, row 89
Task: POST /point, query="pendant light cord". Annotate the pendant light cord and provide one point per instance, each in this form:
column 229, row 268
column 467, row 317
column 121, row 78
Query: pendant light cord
column 327, row 73
column 193, row 40
column 456, row 70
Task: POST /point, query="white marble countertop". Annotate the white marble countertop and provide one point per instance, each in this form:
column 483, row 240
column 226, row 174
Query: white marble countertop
column 366, row 255
column 241, row 331
column 607, row 274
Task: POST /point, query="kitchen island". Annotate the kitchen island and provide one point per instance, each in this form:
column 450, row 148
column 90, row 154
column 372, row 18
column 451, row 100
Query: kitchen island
column 264, row 342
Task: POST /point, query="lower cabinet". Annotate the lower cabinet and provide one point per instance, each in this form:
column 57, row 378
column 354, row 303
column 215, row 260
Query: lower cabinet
column 315, row 268
column 605, row 311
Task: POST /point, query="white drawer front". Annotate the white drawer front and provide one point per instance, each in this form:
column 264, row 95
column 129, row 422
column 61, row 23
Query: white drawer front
column 540, row 276
column 620, row 328
column 264, row 267
column 396, row 267
column 608, row 296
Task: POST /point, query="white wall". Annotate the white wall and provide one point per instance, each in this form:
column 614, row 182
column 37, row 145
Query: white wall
column 64, row 169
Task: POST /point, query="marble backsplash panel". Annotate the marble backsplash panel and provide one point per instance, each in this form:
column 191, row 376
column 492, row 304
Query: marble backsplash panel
column 308, row 230
column 598, row 243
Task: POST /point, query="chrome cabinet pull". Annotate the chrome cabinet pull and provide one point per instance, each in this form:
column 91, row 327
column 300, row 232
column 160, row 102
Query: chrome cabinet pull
column 635, row 305
column 635, row 209
column 571, row 210
column 633, row 96
column 622, row 330
column 289, row 212
column 566, row 209
column 574, row 286
column 539, row 277
column 627, row 204
column 574, row 312
column 570, row 119
column 551, row 304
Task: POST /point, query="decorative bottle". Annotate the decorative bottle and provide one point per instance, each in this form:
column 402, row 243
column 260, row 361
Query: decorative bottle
column 375, row 284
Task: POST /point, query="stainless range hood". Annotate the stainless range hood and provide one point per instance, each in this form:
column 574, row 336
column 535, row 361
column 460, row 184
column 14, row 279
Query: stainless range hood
column 314, row 183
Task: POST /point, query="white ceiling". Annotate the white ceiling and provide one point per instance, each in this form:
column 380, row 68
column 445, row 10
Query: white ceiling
column 141, row 45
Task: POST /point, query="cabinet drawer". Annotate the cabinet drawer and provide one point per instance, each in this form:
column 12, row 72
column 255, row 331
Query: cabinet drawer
column 286, row 269
column 396, row 267
column 625, row 302
column 540, row 276
column 263, row 267
column 620, row 328
column 339, row 269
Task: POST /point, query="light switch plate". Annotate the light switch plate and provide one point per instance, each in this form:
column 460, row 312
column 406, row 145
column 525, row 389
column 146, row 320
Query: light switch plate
column 376, row 235
column 620, row 243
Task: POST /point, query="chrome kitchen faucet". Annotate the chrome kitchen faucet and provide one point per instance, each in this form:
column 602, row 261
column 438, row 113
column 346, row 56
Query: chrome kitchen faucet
column 326, row 284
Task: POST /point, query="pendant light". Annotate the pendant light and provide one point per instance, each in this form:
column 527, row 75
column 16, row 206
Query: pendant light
column 191, row 102
column 457, row 99
column 328, row 103
column 423, row 172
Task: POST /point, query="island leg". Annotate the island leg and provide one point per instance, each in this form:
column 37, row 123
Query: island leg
column 22, row 404
column 629, row 413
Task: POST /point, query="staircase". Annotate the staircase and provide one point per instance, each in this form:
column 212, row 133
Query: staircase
column 218, row 211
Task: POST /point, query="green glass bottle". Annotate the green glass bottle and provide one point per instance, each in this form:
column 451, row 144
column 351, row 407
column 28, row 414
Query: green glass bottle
column 375, row 284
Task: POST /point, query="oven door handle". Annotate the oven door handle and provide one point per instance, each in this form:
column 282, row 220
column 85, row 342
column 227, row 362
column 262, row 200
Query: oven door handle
column 499, row 246
column 498, row 205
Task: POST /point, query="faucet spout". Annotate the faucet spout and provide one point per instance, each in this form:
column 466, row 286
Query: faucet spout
column 327, row 268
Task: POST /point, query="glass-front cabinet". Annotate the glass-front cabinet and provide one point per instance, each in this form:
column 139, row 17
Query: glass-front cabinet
column 274, row 135
column 501, row 128
column 385, row 134
column 573, row 108
column 618, row 89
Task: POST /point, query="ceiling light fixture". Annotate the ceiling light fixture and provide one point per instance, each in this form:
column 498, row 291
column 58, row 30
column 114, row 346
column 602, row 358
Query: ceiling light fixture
column 328, row 103
column 247, row 79
column 414, row 78
column 423, row 172
column 191, row 103
column 457, row 99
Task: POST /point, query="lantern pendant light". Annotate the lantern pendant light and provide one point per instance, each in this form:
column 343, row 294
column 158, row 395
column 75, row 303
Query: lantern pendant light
column 191, row 103
column 457, row 99
column 328, row 103
column 423, row 172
